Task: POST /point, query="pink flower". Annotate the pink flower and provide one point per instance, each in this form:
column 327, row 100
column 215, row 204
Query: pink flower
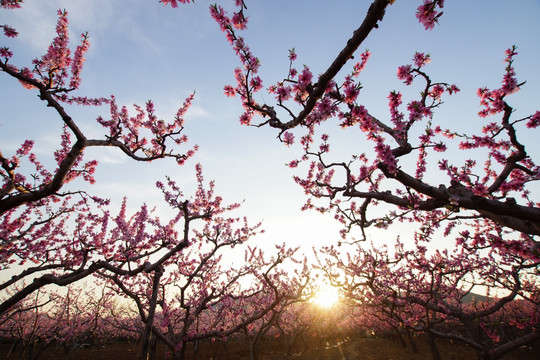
column 394, row 102
column 292, row 54
column 305, row 77
column 10, row 4
column 436, row 91
column 361, row 115
column 78, row 62
column 293, row 73
column 491, row 333
column 510, row 53
column 351, row 93
column 417, row 110
column 386, row 156
column 5, row 53
column 173, row 2
column 245, row 119
column 404, row 73
column 239, row 21
column 534, row 121
column 229, row 91
column 439, row 147
column 452, row 89
column 510, row 84
column 325, row 106
column 420, row 59
column 288, row 138
column 9, row 31
column 25, row 148
column 293, row 164
column 362, row 64
column 427, row 15
column 283, row 93
column 304, row 80
column 220, row 16
column 256, row 83
column 26, row 72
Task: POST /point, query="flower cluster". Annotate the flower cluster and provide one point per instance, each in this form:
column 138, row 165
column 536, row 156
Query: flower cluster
column 404, row 73
column 534, row 120
column 9, row 31
column 246, row 81
column 10, row 4
column 57, row 69
column 174, row 2
column 493, row 100
column 427, row 13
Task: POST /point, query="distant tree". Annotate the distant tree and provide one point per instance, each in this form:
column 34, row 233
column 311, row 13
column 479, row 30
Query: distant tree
column 72, row 319
column 429, row 292
column 28, row 326
column 175, row 299
column 280, row 282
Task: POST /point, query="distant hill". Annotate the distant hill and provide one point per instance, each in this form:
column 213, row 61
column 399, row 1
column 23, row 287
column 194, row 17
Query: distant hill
column 471, row 297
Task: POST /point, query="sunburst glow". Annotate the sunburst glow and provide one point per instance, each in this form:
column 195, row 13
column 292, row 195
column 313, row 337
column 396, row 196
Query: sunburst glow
column 326, row 297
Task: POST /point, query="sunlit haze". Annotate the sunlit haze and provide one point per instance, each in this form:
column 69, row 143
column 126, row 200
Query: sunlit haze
column 326, row 297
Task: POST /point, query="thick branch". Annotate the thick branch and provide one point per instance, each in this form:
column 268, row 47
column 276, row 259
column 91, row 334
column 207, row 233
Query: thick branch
column 374, row 14
column 518, row 217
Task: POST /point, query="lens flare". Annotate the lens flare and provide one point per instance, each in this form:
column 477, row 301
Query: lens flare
column 326, row 297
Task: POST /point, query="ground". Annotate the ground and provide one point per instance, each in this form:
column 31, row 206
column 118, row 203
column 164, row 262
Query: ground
column 356, row 349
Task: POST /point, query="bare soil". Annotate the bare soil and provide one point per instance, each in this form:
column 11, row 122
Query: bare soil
column 357, row 349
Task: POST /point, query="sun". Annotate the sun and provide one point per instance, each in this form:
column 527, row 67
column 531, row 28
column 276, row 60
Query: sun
column 326, row 296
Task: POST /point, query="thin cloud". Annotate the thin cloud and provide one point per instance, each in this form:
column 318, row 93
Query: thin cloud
column 36, row 24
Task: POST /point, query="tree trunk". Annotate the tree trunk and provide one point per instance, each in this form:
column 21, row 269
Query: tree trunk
column 304, row 342
column 226, row 350
column 252, row 351
column 290, row 342
column 145, row 353
column 181, row 353
column 13, row 348
column 412, row 341
column 400, row 339
column 153, row 347
column 253, row 348
column 433, row 346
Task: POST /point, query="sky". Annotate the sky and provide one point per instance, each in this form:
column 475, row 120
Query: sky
column 142, row 50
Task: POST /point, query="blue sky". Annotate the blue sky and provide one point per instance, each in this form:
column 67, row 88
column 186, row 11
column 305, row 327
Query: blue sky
column 142, row 50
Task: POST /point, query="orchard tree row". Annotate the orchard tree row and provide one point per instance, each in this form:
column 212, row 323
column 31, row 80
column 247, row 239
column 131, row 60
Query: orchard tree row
column 171, row 279
column 189, row 314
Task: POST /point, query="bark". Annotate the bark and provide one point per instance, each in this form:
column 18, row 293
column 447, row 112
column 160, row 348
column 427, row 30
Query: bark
column 433, row 346
column 412, row 341
column 145, row 352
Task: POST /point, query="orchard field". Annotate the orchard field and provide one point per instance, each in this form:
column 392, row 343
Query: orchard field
column 376, row 193
column 350, row 349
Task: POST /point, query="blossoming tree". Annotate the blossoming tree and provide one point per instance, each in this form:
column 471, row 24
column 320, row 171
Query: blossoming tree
column 52, row 230
column 57, row 232
column 433, row 292
column 491, row 208
column 200, row 298
column 381, row 172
